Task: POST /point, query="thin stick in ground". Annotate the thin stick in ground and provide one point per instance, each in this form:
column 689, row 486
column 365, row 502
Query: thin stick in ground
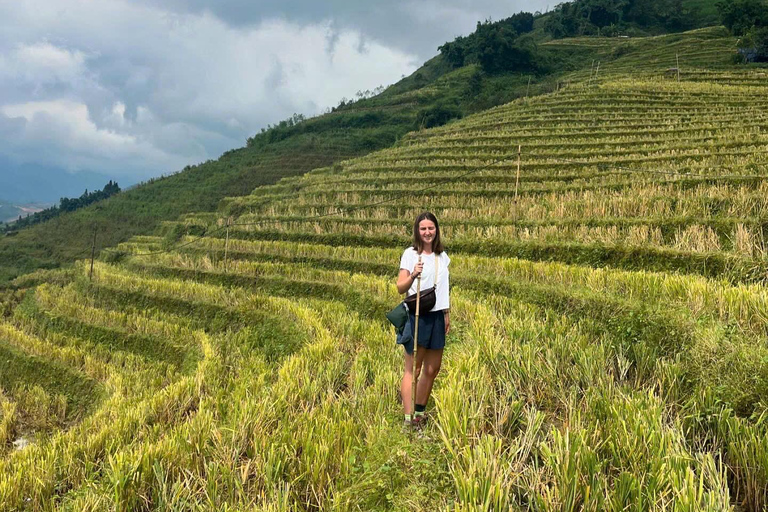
column 93, row 255
column 226, row 247
column 517, row 178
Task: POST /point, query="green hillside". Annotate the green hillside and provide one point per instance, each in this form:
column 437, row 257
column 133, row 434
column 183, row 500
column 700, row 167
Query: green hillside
column 140, row 210
column 433, row 95
column 609, row 348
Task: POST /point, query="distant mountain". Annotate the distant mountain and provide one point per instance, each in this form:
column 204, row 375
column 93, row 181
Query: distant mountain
column 34, row 183
column 10, row 211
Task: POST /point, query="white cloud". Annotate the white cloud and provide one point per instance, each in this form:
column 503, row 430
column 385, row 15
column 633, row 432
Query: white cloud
column 74, row 116
column 55, row 128
column 40, row 69
column 133, row 87
column 43, row 62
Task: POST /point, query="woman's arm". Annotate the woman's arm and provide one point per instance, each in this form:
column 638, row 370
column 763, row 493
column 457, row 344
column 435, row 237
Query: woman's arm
column 404, row 281
column 405, row 278
column 447, row 315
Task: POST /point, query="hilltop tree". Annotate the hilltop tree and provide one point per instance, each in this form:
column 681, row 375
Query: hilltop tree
column 496, row 46
column 522, row 22
column 590, row 17
column 753, row 46
column 741, row 16
column 66, row 204
column 748, row 19
column 499, row 49
column 111, row 188
column 603, row 13
column 454, row 52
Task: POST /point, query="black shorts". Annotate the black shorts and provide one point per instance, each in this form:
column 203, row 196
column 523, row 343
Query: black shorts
column 431, row 331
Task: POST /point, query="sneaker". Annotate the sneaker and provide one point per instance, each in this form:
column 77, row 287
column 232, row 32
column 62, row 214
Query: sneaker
column 419, row 422
column 407, row 426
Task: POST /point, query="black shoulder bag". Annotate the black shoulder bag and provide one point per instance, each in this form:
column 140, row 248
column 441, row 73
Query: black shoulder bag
column 399, row 316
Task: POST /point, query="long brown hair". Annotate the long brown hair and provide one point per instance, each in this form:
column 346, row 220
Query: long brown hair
column 437, row 244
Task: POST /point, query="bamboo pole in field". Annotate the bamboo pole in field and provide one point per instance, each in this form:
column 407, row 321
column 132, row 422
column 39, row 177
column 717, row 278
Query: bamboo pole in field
column 226, row 247
column 517, row 179
column 677, row 56
column 93, row 254
column 415, row 346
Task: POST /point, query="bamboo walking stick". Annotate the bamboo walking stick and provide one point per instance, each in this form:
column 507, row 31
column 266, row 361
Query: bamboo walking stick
column 415, row 345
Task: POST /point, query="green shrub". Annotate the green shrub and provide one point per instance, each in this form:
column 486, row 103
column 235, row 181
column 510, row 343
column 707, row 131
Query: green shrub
column 437, row 115
column 741, row 16
column 753, row 47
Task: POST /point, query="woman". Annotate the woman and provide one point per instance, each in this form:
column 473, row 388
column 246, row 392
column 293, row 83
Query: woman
column 424, row 258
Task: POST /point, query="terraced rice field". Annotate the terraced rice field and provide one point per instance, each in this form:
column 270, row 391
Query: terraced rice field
column 610, row 343
column 703, row 54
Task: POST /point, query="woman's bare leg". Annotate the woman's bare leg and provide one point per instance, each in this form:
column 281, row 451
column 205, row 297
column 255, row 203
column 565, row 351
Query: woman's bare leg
column 405, row 386
column 431, row 367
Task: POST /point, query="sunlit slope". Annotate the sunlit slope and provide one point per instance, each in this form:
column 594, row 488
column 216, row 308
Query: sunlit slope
column 632, row 174
column 707, row 54
column 140, row 210
column 610, row 345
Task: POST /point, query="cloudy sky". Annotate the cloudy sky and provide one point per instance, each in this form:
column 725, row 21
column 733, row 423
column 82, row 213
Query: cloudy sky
column 134, row 89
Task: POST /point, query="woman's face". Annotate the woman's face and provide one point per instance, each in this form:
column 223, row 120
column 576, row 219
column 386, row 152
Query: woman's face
column 427, row 231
